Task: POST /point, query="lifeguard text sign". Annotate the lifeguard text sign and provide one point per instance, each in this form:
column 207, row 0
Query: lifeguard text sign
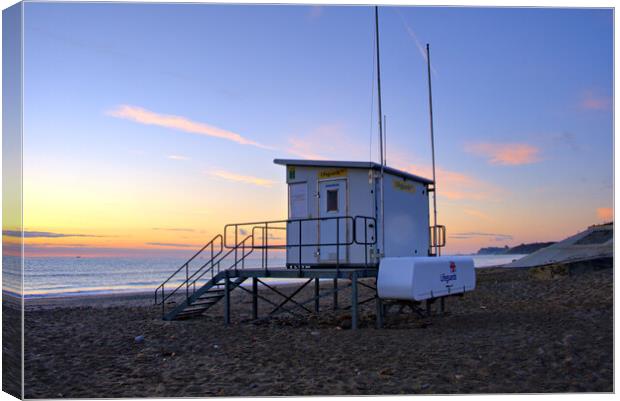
column 341, row 172
column 404, row 186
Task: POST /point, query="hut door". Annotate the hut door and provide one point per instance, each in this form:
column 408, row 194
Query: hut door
column 332, row 203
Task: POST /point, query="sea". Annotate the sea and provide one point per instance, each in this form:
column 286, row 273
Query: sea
column 64, row 276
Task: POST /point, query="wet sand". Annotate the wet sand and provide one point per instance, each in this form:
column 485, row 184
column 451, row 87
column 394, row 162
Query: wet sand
column 516, row 333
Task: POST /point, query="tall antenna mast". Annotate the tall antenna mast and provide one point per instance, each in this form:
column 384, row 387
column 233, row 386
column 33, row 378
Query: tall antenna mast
column 382, row 250
column 430, row 108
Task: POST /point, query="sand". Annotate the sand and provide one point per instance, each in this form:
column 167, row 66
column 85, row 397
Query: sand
column 515, row 333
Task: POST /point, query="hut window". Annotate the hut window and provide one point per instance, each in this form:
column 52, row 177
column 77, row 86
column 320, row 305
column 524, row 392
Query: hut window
column 332, row 200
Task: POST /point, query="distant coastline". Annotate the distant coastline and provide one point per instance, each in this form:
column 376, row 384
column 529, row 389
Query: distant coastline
column 523, row 249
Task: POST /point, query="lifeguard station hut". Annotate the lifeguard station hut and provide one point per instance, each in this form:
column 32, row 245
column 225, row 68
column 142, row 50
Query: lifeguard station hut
column 338, row 197
column 360, row 222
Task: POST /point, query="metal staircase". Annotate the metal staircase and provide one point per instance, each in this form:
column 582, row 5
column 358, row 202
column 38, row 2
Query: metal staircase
column 220, row 266
column 191, row 290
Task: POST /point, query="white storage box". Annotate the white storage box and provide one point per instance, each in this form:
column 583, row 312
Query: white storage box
column 419, row 278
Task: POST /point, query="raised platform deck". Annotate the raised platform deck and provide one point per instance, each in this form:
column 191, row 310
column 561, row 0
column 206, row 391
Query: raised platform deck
column 313, row 272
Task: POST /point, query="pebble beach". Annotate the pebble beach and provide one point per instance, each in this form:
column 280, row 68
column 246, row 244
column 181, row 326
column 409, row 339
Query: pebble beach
column 516, row 333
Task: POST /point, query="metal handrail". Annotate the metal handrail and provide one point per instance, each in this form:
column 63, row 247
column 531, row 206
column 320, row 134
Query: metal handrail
column 201, row 272
column 185, row 265
column 233, row 266
column 366, row 227
column 265, row 226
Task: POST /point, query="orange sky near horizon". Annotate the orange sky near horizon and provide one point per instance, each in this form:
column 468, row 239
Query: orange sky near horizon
column 123, row 219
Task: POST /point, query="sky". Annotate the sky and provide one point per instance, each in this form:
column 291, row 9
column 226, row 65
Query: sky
column 148, row 127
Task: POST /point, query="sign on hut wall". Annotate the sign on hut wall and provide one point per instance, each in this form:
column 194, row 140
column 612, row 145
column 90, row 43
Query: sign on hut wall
column 332, row 173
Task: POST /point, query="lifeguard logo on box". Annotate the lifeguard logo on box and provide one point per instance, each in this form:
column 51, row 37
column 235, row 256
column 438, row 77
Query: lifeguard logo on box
column 341, row 172
column 404, row 186
column 449, row 277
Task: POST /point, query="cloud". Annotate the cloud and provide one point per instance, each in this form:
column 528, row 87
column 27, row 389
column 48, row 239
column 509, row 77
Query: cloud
column 177, row 157
column 43, row 234
column 168, row 244
column 143, row 116
column 507, row 154
column 327, row 141
column 247, row 179
column 476, row 213
column 591, row 101
column 605, row 213
column 450, row 184
column 50, row 245
column 188, row 230
column 472, row 235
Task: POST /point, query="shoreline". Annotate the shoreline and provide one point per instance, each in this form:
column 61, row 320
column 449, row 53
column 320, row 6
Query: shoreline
column 104, row 294
column 111, row 279
column 135, row 298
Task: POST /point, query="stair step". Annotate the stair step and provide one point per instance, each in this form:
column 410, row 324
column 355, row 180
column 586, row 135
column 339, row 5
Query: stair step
column 192, row 311
column 211, row 294
column 207, row 302
column 182, row 316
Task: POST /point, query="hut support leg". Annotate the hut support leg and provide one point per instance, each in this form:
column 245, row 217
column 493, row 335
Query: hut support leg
column 335, row 293
column 428, row 307
column 254, row 298
column 379, row 313
column 354, row 301
column 442, row 305
column 316, row 295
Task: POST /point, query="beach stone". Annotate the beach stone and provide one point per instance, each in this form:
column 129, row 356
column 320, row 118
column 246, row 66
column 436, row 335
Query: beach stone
column 549, row 272
column 139, row 339
column 345, row 324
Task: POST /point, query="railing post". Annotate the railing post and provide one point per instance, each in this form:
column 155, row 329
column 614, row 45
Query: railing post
column 354, row 300
column 242, row 256
column 337, row 245
column 236, row 243
column 300, row 248
column 365, row 242
column 254, row 298
column 266, row 246
column 226, row 299
column 264, row 261
column 163, row 301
